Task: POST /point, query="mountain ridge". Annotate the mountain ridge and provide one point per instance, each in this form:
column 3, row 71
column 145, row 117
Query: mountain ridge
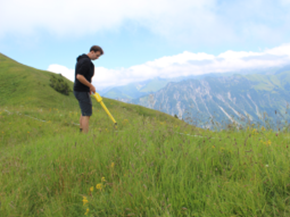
column 232, row 97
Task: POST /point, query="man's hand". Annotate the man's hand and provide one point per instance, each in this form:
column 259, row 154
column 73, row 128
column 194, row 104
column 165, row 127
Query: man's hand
column 92, row 89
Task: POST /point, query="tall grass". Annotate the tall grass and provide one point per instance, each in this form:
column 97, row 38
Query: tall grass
column 148, row 166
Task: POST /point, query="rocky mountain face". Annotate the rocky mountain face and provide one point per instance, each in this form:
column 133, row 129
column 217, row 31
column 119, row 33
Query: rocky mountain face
column 132, row 91
column 229, row 99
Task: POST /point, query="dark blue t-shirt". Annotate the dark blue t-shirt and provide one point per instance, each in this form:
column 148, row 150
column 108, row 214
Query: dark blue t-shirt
column 85, row 67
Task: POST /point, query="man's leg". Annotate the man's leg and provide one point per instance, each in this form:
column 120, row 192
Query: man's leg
column 81, row 125
column 85, row 103
column 85, row 123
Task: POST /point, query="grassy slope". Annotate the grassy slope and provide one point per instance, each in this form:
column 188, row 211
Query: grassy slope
column 150, row 169
column 269, row 82
column 23, row 85
column 264, row 82
column 284, row 77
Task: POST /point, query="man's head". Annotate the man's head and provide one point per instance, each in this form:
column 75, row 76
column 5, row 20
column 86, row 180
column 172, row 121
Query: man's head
column 95, row 52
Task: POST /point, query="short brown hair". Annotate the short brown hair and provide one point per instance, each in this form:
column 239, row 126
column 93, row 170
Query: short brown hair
column 96, row 48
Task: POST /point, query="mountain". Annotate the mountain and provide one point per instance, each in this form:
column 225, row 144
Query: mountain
column 236, row 98
column 135, row 90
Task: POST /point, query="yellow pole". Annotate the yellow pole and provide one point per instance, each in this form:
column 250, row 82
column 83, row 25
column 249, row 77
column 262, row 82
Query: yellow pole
column 100, row 100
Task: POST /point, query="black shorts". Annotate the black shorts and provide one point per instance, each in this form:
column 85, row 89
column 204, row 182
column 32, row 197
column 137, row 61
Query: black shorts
column 85, row 102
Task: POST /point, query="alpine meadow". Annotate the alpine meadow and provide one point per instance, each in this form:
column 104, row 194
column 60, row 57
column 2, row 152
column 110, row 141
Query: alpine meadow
column 150, row 164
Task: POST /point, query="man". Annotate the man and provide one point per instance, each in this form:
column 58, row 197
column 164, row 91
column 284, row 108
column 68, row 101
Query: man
column 84, row 72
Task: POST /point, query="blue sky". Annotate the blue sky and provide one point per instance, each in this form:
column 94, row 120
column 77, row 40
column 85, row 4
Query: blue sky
column 143, row 39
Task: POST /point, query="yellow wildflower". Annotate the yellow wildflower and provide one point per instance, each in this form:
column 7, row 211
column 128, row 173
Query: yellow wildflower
column 268, row 143
column 99, row 186
column 112, row 164
column 125, row 121
column 92, row 188
column 263, row 128
column 213, row 146
column 28, row 132
column 255, row 132
column 85, row 200
column 87, row 211
column 103, row 179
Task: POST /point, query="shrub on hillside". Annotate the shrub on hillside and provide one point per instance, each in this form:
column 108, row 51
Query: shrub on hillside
column 59, row 84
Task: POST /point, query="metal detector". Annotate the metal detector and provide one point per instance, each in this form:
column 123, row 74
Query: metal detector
column 100, row 100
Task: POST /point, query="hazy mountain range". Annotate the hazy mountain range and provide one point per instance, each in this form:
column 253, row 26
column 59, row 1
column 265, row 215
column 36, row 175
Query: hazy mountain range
column 248, row 96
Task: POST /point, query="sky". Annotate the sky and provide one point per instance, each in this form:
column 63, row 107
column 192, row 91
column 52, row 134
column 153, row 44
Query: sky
column 143, row 39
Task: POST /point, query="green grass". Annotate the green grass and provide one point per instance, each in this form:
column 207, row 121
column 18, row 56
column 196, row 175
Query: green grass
column 152, row 164
column 265, row 82
column 48, row 167
column 23, row 85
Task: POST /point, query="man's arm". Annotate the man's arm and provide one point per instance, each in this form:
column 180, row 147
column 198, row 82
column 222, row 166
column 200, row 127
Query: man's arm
column 84, row 81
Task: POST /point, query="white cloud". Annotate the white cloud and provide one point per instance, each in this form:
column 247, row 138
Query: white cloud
column 210, row 21
column 66, row 17
column 185, row 64
column 58, row 69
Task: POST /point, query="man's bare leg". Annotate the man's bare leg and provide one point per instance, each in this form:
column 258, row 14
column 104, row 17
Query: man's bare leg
column 81, row 125
column 85, row 123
